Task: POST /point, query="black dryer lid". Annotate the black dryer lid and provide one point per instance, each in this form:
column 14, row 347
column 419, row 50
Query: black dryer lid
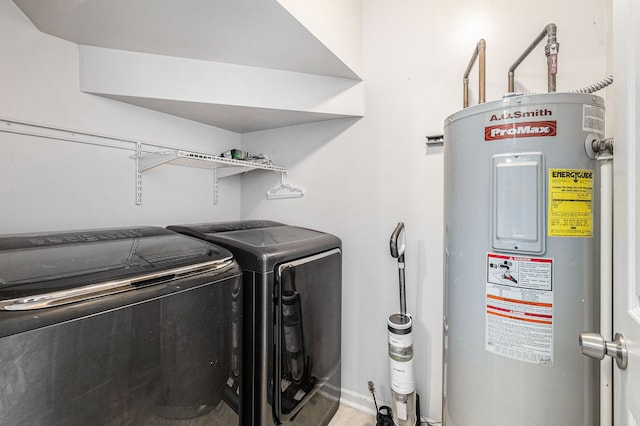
column 260, row 248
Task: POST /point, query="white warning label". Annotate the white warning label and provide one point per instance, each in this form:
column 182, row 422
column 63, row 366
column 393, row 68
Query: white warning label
column 593, row 119
column 519, row 308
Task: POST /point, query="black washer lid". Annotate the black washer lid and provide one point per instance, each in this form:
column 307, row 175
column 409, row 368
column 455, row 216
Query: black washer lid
column 40, row 263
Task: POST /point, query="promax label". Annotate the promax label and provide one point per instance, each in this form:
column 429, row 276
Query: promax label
column 520, row 130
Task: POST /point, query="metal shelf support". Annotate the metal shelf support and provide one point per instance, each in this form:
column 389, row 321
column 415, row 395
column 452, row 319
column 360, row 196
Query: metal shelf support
column 138, row 175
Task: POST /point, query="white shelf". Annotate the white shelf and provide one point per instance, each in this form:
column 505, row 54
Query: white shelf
column 145, row 159
column 224, row 166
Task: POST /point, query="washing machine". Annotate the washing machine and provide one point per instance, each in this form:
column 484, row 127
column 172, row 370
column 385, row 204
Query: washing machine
column 292, row 293
column 118, row 327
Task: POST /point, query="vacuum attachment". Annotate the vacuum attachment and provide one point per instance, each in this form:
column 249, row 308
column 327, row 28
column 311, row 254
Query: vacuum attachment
column 403, row 386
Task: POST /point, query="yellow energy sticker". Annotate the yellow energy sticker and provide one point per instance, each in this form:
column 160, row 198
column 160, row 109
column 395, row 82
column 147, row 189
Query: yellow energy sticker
column 570, row 203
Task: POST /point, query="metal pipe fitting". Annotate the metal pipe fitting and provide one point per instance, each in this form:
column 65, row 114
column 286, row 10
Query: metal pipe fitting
column 551, row 51
column 479, row 52
column 603, row 146
column 598, row 149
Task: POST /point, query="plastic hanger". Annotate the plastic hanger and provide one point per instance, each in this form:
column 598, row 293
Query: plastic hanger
column 284, row 189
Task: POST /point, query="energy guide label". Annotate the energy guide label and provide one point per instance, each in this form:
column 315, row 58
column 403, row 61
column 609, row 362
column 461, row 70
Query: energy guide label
column 570, row 203
column 519, row 308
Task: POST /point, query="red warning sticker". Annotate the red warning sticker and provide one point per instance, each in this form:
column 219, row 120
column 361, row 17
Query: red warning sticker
column 528, row 129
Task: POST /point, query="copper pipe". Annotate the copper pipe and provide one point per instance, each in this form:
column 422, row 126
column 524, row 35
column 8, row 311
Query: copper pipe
column 479, row 51
column 550, row 50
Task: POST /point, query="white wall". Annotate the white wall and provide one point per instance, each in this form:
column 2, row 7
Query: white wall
column 53, row 185
column 363, row 177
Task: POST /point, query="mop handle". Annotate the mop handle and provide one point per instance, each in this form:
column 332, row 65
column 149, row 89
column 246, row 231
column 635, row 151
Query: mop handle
column 403, row 298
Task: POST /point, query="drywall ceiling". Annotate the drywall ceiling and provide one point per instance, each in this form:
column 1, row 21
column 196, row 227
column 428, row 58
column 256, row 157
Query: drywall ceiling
column 247, row 32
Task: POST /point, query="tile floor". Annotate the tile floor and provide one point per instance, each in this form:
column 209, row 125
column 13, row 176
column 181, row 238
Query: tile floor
column 347, row 416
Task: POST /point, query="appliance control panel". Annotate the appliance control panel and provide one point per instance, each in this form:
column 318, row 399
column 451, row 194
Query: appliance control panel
column 239, row 226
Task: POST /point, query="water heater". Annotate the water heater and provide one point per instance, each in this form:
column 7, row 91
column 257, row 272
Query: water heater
column 521, row 261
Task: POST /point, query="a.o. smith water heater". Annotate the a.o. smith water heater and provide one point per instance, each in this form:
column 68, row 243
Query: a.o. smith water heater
column 521, row 261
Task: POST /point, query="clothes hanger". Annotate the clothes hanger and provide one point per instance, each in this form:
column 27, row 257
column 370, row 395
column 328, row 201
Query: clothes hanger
column 284, row 189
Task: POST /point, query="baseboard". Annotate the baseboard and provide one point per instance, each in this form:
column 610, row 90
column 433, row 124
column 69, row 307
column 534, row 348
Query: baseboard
column 358, row 401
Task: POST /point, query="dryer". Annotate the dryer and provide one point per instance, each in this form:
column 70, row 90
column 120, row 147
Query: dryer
column 118, row 326
column 292, row 300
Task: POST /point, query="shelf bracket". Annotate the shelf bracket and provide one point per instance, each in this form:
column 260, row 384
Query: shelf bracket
column 146, row 161
column 435, row 140
column 138, row 175
column 151, row 160
column 215, row 186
